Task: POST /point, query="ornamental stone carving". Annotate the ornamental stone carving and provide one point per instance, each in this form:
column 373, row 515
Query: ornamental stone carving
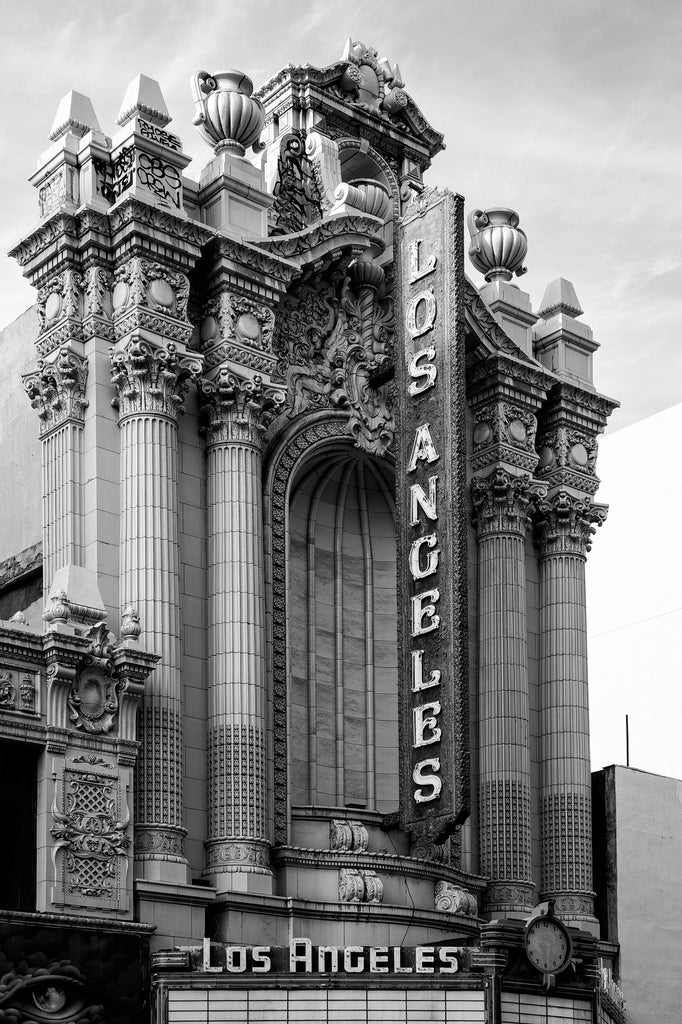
column 347, row 836
column 150, row 295
column 237, row 410
column 498, row 245
column 504, row 431
column 502, row 502
column 360, row 886
column 453, row 899
column 237, row 329
column 331, row 341
column 152, row 378
column 60, row 309
column 370, row 82
column 92, row 836
column 565, row 524
column 228, row 116
column 568, row 457
column 57, row 389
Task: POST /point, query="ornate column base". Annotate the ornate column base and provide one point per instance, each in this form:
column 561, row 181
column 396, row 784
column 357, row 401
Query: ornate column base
column 159, row 854
column 239, row 863
column 507, row 897
column 573, row 907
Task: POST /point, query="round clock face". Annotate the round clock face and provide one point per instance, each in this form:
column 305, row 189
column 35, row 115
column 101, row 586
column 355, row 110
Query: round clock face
column 548, row 945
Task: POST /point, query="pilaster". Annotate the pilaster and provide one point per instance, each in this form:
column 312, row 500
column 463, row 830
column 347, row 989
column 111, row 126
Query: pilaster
column 237, row 411
column 150, row 379
column 501, row 503
column 57, row 391
column 505, row 397
column 564, row 526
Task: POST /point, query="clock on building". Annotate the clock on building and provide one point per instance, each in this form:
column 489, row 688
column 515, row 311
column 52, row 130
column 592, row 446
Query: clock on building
column 548, row 945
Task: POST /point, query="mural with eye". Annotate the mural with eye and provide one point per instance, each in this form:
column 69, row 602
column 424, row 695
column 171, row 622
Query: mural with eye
column 69, row 975
column 55, row 993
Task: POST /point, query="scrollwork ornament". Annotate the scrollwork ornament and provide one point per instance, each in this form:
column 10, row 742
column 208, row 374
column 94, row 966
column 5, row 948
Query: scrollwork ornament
column 453, row 899
column 91, row 835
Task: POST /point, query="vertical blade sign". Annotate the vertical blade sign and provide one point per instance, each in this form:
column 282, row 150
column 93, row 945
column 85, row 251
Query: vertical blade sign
column 432, row 588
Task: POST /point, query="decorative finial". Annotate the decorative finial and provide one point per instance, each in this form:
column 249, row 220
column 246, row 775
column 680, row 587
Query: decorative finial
column 144, row 96
column 227, row 115
column 75, row 114
column 59, row 611
column 559, row 297
column 498, row 245
column 130, row 625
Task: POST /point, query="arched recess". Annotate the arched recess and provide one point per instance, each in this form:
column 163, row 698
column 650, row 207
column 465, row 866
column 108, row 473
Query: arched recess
column 330, row 559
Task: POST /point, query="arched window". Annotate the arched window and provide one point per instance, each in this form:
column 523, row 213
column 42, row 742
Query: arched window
column 342, row 692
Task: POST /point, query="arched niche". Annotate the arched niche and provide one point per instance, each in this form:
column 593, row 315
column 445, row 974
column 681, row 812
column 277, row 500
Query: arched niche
column 331, row 564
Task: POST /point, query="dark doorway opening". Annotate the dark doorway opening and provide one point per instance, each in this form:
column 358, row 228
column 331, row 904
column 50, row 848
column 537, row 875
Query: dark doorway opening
column 18, row 784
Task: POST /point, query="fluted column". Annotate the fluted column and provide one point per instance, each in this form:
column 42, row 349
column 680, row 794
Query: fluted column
column 564, row 527
column 150, row 381
column 57, row 391
column 501, row 506
column 236, row 412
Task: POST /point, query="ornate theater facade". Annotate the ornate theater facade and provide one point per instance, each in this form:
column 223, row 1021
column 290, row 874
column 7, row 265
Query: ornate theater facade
column 294, row 725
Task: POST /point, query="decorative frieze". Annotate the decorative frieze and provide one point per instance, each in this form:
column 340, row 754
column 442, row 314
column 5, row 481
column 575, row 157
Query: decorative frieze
column 60, row 310
column 237, row 329
column 150, row 296
column 18, row 690
column 504, row 431
column 568, row 458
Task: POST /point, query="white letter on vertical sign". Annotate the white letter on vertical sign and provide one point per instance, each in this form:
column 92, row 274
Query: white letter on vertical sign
column 417, row 272
column 428, row 299
column 424, row 618
column 422, row 777
column 418, row 573
column 418, row 681
column 423, row 448
column 427, row 372
column 424, row 722
column 419, row 499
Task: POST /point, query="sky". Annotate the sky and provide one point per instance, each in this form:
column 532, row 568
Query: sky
column 566, row 111
column 634, row 592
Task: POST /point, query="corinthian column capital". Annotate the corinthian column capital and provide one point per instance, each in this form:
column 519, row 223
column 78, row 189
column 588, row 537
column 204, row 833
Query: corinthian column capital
column 238, row 410
column 565, row 523
column 152, row 378
column 57, row 389
column 502, row 502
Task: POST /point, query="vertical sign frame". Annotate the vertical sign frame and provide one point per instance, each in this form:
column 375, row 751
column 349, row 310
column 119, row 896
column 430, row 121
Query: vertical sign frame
column 432, row 530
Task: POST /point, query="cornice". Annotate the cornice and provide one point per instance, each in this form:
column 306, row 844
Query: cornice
column 328, row 238
column 388, row 863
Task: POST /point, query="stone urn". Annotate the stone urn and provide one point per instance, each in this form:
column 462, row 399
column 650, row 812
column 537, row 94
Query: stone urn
column 228, row 117
column 367, row 195
column 498, row 245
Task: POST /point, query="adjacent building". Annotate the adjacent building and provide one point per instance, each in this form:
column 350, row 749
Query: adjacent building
column 293, row 678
